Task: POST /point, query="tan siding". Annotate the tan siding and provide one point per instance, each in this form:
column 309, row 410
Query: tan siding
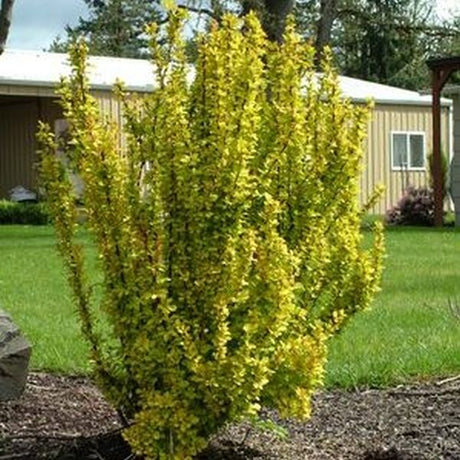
column 109, row 105
column 18, row 125
column 377, row 157
column 113, row 110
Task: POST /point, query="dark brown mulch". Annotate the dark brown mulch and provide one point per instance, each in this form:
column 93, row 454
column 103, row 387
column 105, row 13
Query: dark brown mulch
column 66, row 418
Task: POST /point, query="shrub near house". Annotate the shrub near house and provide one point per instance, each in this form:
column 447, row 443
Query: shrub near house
column 229, row 235
column 416, row 206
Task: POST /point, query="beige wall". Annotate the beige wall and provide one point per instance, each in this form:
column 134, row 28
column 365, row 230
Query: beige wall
column 19, row 117
column 377, row 158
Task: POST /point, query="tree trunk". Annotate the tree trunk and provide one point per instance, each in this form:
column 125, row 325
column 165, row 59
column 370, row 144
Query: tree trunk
column 5, row 22
column 273, row 15
column 277, row 13
column 328, row 11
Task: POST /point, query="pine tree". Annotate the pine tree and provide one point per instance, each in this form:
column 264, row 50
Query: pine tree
column 114, row 27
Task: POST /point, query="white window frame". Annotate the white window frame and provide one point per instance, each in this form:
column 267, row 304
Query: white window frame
column 408, row 167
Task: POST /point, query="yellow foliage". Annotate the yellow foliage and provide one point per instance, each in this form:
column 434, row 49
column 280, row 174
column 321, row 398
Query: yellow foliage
column 228, row 232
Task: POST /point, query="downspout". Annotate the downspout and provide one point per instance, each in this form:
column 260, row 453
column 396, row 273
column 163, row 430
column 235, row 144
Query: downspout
column 437, row 172
column 451, row 154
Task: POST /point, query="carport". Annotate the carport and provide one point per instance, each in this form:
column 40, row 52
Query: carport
column 28, row 80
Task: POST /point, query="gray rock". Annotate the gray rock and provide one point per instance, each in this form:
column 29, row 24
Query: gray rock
column 14, row 359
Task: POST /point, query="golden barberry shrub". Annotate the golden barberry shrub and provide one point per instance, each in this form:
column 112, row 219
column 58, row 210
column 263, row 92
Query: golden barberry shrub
column 227, row 228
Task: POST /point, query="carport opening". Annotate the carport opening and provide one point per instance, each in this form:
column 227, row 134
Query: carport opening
column 19, row 116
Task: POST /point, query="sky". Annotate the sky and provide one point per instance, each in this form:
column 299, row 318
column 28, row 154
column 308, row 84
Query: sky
column 37, row 22
column 446, row 7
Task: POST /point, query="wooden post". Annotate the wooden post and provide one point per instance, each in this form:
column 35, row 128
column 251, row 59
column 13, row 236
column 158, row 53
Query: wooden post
column 442, row 69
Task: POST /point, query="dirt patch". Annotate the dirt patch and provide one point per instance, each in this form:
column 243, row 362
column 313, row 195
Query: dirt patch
column 67, row 418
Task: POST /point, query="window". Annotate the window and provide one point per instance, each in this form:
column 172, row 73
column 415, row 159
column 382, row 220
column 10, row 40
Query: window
column 408, row 150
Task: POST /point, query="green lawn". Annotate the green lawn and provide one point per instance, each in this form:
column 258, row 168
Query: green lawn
column 410, row 330
column 409, row 333
column 33, row 290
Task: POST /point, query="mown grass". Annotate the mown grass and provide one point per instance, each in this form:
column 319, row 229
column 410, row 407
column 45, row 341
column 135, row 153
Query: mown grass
column 33, row 290
column 409, row 333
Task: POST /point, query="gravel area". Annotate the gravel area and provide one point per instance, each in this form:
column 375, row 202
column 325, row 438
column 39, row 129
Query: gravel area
column 66, row 418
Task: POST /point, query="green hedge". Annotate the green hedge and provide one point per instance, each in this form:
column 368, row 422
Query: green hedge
column 23, row 213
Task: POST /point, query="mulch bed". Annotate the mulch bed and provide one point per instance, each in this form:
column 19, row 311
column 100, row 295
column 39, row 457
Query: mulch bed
column 67, row 418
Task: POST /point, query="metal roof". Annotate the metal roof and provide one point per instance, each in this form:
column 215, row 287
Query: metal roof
column 39, row 68
column 360, row 90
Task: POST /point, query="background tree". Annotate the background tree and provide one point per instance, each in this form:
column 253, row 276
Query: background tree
column 273, row 15
column 386, row 41
column 5, row 22
column 327, row 14
column 114, row 27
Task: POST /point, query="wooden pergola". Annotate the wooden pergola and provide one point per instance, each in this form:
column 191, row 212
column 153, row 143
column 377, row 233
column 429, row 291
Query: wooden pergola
column 441, row 69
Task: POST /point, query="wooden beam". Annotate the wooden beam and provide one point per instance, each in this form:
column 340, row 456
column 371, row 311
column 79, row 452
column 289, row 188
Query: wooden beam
column 441, row 69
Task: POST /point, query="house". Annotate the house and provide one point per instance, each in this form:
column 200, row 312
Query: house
column 399, row 138
column 395, row 153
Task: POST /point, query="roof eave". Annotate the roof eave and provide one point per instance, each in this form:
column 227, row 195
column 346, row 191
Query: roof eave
column 150, row 88
column 440, row 63
column 54, row 84
column 444, row 102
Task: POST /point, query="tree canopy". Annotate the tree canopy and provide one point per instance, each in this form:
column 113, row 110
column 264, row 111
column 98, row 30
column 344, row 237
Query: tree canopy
column 388, row 41
column 114, row 27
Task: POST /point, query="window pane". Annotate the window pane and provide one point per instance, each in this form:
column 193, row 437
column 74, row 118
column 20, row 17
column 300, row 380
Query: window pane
column 400, row 150
column 417, row 154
